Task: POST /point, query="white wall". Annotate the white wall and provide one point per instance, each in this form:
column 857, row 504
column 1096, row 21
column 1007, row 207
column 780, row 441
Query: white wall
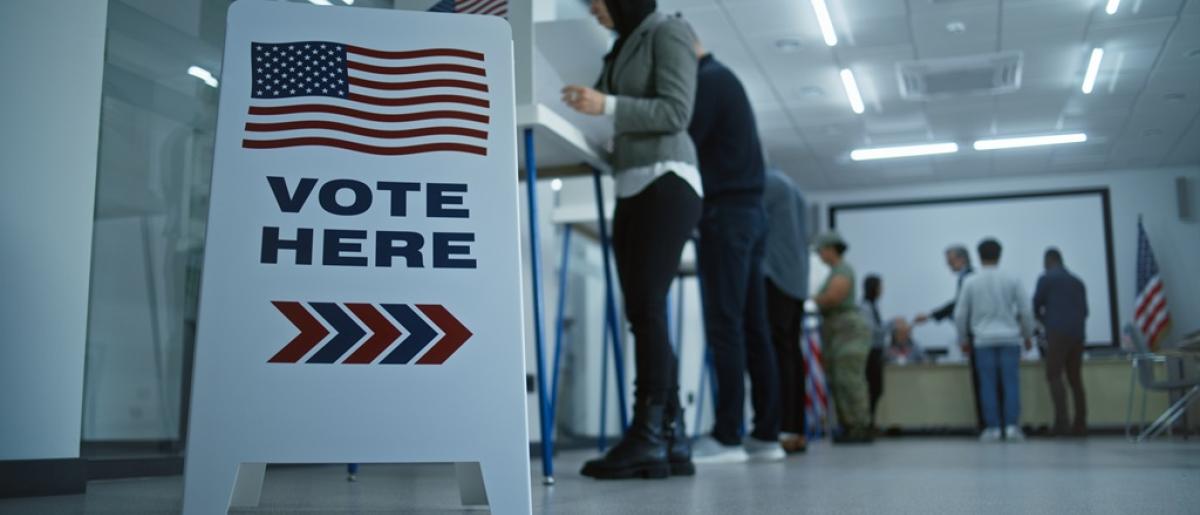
column 1148, row 192
column 52, row 54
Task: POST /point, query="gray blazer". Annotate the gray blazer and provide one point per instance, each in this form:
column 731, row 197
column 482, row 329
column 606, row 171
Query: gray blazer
column 654, row 79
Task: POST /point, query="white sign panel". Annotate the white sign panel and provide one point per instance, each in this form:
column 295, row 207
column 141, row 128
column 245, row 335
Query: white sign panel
column 361, row 294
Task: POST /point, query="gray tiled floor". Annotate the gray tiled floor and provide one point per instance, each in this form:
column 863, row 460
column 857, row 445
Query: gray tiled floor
column 948, row 475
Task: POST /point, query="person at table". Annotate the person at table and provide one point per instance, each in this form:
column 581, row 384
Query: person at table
column 847, row 338
column 733, row 231
column 903, row 349
column 959, row 261
column 1060, row 304
column 647, row 87
column 872, row 290
column 993, row 309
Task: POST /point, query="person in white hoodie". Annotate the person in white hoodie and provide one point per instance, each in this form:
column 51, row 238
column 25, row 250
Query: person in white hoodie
column 995, row 311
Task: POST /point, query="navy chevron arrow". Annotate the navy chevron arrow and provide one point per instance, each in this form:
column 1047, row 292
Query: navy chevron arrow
column 420, row 335
column 347, row 333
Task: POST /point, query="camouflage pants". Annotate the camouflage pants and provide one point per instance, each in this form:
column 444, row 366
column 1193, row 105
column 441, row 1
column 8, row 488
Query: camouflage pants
column 847, row 344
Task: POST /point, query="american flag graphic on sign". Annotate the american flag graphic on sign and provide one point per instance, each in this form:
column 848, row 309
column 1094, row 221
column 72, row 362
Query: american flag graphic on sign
column 486, row 7
column 321, row 93
column 1150, row 309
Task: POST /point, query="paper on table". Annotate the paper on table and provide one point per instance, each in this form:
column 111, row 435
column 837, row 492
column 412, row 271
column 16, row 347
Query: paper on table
column 571, row 52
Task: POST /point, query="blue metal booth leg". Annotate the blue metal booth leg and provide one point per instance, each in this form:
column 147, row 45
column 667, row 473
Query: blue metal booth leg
column 535, row 260
column 610, row 308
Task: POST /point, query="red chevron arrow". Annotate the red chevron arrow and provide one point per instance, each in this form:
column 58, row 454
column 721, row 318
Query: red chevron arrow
column 384, row 334
column 311, row 332
column 455, row 334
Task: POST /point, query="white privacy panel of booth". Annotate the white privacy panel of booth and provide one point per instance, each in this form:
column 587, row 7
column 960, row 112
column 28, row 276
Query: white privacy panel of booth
column 904, row 241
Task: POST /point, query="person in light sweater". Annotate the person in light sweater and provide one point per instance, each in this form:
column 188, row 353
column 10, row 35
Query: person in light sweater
column 994, row 310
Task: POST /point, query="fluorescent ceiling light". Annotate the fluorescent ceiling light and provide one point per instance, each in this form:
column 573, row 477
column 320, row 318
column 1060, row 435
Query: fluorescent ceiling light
column 1112, row 6
column 202, row 74
column 319, row 2
column 866, row 154
column 1089, row 78
column 851, row 86
column 824, row 21
column 348, row 2
column 1030, row 141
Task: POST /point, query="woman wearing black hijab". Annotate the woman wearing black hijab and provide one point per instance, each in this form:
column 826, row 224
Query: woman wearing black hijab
column 648, row 87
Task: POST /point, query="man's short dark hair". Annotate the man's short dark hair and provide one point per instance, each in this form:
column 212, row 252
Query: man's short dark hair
column 871, row 287
column 989, row 250
column 1053, row 256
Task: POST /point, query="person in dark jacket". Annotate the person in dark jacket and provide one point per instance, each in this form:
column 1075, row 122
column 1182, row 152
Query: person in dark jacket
column 1060, row 304
column 959, row 261
column 733, row 231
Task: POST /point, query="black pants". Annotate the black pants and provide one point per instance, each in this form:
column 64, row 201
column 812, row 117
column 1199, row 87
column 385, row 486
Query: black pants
column 1064, row 354
column 732, row 245
column 649, row 231
column 785, row 314
column 875, row 378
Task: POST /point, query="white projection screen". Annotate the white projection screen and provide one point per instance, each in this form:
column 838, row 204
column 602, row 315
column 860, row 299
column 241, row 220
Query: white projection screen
column 904, row 243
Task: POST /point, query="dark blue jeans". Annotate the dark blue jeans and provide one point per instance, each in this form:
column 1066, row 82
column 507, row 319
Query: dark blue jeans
column 732, row 244
column 999, row 371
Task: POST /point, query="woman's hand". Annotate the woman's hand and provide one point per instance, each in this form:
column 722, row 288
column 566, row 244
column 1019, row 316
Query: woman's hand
column 583, row 99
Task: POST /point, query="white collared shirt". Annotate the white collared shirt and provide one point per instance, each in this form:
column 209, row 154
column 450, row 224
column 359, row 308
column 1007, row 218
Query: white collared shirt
column 631, row 181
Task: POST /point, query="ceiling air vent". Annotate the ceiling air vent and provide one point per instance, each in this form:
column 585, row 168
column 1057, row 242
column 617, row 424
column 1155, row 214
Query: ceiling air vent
column 987, row 74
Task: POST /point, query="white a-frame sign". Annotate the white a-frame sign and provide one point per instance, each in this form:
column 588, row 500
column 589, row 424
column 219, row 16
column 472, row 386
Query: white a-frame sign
column 361, row 300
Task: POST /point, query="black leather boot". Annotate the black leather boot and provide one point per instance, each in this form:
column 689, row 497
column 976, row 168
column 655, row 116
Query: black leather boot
column 679, row 444
column 641, row 453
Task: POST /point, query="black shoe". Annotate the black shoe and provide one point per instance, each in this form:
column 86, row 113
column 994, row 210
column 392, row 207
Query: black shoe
column 642, row 452
column 854, row 436
column 679, row 446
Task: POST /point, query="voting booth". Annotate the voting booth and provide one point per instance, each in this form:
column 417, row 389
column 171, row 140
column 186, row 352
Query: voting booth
column 362, row 285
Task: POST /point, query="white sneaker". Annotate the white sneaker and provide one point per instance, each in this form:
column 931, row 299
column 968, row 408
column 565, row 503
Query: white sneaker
column 708, row 451
column 991, row 434
column 1014, row 434
column 760, row 450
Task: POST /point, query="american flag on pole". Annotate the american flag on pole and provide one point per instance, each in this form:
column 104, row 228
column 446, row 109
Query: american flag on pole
column 1150, row 309
column 816, row 393
column 487, row 7
column 382, row 102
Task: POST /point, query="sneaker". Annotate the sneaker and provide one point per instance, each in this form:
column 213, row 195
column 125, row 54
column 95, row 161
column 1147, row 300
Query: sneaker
column 991, row 434
column 764, row 450
column 1014, row 434
column 708, row 451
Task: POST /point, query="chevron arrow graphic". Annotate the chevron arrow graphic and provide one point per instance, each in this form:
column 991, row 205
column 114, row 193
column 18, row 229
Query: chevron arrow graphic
column 347, row 321
column 384, row 333
column 311, row 332
column 455, row 334
column 347, row 333
column 420, row 335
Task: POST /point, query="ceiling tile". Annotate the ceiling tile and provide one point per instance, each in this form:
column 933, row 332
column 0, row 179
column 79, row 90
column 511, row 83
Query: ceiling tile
column 1026, row 22
column 1148, row 33
column 1186, row 151
column 933, row 39
column 1028, row 113
column 1183, row 45
column 775, row 17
